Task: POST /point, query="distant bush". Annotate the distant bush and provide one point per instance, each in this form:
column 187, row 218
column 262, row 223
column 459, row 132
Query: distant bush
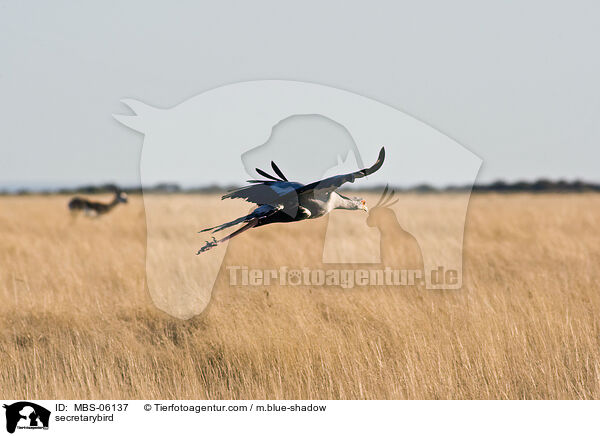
column 540, row 185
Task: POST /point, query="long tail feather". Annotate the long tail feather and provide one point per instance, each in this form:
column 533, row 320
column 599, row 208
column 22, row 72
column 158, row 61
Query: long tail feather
column 251, row 220
column 210, row 244
column 229, row 224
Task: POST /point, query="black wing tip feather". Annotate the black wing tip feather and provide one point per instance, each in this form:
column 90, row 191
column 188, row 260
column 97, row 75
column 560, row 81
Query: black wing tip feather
column 278, row 172
column 380, row 159
column 379, row 162
column 368, row 171
column 267, row 175
column 281, row 178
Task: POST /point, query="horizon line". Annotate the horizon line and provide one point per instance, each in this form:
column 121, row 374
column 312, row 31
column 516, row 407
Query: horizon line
column 539, row 184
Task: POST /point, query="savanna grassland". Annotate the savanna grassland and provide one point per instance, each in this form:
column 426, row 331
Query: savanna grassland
column 76, row 319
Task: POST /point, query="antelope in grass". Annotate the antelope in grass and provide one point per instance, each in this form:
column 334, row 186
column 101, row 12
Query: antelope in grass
column 96, row 208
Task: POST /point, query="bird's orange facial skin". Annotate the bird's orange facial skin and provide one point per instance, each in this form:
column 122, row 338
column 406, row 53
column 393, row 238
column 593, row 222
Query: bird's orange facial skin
column 364, row 205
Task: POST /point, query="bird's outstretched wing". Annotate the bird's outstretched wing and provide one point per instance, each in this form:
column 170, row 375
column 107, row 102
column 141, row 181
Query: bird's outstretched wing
column 277, row 192
column 334, row 182
column 267, row 192
column 274, row 192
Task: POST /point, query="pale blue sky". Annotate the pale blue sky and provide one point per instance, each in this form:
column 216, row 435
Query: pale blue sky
column 515, row 82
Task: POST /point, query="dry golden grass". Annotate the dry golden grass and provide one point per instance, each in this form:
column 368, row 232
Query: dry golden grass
column 77, row 322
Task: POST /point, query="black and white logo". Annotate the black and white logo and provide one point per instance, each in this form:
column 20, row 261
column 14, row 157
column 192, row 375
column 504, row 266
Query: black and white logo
column 26, row 415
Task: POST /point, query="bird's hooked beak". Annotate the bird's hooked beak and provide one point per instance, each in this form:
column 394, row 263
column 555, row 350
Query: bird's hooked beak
column 364, row 206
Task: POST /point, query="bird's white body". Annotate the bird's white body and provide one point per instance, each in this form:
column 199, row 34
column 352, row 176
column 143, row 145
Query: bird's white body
column 324, row 202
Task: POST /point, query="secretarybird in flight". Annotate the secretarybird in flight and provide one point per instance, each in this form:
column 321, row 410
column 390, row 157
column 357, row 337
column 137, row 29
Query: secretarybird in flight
column 282, row 201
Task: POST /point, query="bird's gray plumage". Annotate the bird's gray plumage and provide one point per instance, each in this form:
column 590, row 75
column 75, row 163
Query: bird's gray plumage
column 280, row 200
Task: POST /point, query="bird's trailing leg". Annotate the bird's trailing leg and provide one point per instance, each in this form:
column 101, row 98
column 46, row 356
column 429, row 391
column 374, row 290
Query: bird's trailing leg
column 214, row 242
column 208, row 245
